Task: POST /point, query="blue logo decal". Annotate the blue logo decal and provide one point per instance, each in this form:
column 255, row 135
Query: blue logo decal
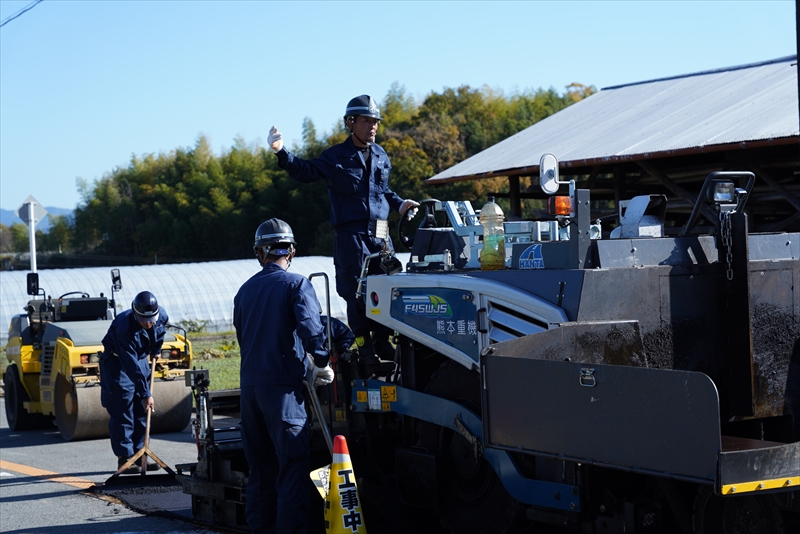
column 427, row 305
column 531, row 257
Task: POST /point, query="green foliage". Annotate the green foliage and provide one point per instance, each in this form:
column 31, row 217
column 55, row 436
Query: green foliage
column 58, row 238
column 223, row 372
column 20, row 240
column 220, row 355
column 6, row 239
column 397, row 109
column 191, row 205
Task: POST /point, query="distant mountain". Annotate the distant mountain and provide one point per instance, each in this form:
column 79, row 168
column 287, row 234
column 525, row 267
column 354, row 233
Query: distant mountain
column 8, row 217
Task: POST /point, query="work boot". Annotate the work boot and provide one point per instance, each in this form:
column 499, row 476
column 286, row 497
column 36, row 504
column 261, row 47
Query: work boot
column 133, row 469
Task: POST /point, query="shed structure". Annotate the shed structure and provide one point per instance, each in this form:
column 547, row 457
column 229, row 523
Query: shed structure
column 665, row 136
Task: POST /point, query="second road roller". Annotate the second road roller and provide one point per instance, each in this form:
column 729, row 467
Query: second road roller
column 53, row 373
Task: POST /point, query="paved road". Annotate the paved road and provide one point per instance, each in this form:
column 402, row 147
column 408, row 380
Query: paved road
column 43, row 483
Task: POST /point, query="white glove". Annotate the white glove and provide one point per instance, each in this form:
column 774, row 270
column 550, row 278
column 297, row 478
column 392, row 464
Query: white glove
column 275, row 140
column 409, row 208
column 322, row 376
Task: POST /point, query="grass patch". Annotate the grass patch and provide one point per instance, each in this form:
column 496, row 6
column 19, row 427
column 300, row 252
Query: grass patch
column 220, row 355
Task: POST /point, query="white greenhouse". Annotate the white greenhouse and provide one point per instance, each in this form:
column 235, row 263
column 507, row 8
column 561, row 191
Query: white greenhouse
column 192, row 293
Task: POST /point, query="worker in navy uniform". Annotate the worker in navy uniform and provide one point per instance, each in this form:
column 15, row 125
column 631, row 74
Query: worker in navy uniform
column 342, row 338
column 277, row 319
column 125, row 392
column 357, row 175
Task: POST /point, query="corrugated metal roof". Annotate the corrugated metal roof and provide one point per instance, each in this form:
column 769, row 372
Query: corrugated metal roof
column 200, row 292
column 699, row 112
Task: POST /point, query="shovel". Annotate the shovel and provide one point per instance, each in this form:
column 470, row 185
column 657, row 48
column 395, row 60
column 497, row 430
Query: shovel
column 144, row 452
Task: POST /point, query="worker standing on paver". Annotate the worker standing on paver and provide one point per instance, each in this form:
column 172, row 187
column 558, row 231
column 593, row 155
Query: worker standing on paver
column 277, row 319
column 357, row 175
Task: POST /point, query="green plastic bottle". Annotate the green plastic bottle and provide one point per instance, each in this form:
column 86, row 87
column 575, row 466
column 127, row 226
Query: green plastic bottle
column 493, row 253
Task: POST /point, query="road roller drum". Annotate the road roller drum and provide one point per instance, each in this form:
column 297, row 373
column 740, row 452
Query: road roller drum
column 80, row 414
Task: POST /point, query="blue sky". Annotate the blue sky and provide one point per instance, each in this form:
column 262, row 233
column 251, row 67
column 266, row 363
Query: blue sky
column 86, row 85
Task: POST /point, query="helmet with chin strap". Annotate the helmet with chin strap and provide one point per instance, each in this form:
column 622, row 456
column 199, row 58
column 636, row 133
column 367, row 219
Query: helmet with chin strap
column 275, row 238
column 362, row 105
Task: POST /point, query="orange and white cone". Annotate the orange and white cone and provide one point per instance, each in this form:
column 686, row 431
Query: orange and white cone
column 343, row 513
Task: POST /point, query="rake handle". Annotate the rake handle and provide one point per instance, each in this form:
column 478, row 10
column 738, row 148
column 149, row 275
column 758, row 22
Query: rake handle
column 147, row 425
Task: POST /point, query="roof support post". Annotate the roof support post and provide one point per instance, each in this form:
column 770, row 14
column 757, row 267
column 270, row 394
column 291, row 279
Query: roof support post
column 619, row 190
column 592, row 177
column 513, row 194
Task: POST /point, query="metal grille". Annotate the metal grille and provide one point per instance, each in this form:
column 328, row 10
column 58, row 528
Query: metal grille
column 506, row 323
column 47, row 364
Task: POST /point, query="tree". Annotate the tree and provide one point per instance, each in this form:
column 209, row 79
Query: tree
column 6, row 239
column 410, row 165
column 577, row 91
column 397, row 109
column 59, row 237
column 189, row 204
column 19, row 238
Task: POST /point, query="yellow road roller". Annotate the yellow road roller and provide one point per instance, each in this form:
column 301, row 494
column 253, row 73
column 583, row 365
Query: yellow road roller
column 53, row 373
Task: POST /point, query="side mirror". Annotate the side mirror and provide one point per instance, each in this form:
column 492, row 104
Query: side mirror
column 116, row 279
column 33, row 283
column 548, row 174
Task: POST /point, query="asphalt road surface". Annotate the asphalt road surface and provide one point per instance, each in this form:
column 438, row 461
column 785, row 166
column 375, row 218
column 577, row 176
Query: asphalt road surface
column 45, row 485
column 48, row 486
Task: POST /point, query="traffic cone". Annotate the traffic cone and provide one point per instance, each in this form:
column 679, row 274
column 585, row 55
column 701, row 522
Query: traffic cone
column 343, row 513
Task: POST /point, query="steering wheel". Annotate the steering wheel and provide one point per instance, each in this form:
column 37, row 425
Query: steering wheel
column 81, row 293
column 428, row 221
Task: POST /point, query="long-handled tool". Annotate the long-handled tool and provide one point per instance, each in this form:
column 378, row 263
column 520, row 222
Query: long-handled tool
column 317, row 406
column 312, row 389
column 145, row 451
column 320, row 476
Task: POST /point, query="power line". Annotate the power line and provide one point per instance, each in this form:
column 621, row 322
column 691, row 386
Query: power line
column 20, row 12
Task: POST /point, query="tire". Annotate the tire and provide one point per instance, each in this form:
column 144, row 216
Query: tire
column 16, row 415
column 745, row 514
column 472, row 497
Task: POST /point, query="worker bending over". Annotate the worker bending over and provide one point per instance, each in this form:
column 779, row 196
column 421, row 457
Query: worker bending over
column 125, row 392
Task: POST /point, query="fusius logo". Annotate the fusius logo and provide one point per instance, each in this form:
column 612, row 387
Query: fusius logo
column 427, row 305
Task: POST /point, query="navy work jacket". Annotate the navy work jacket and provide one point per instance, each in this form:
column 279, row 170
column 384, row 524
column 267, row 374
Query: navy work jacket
column 277, row 320
column 132, row 344
column 357, row 200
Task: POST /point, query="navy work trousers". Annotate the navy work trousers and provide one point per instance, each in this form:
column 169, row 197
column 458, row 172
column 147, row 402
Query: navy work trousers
column 127, row 419
column 350, row 250
column 275, row 439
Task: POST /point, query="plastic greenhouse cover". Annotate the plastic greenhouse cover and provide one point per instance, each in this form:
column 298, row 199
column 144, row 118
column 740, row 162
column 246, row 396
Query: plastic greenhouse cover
column 192, row 293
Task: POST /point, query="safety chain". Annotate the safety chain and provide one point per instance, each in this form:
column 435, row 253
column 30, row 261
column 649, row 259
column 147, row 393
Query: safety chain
column 725, row 220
